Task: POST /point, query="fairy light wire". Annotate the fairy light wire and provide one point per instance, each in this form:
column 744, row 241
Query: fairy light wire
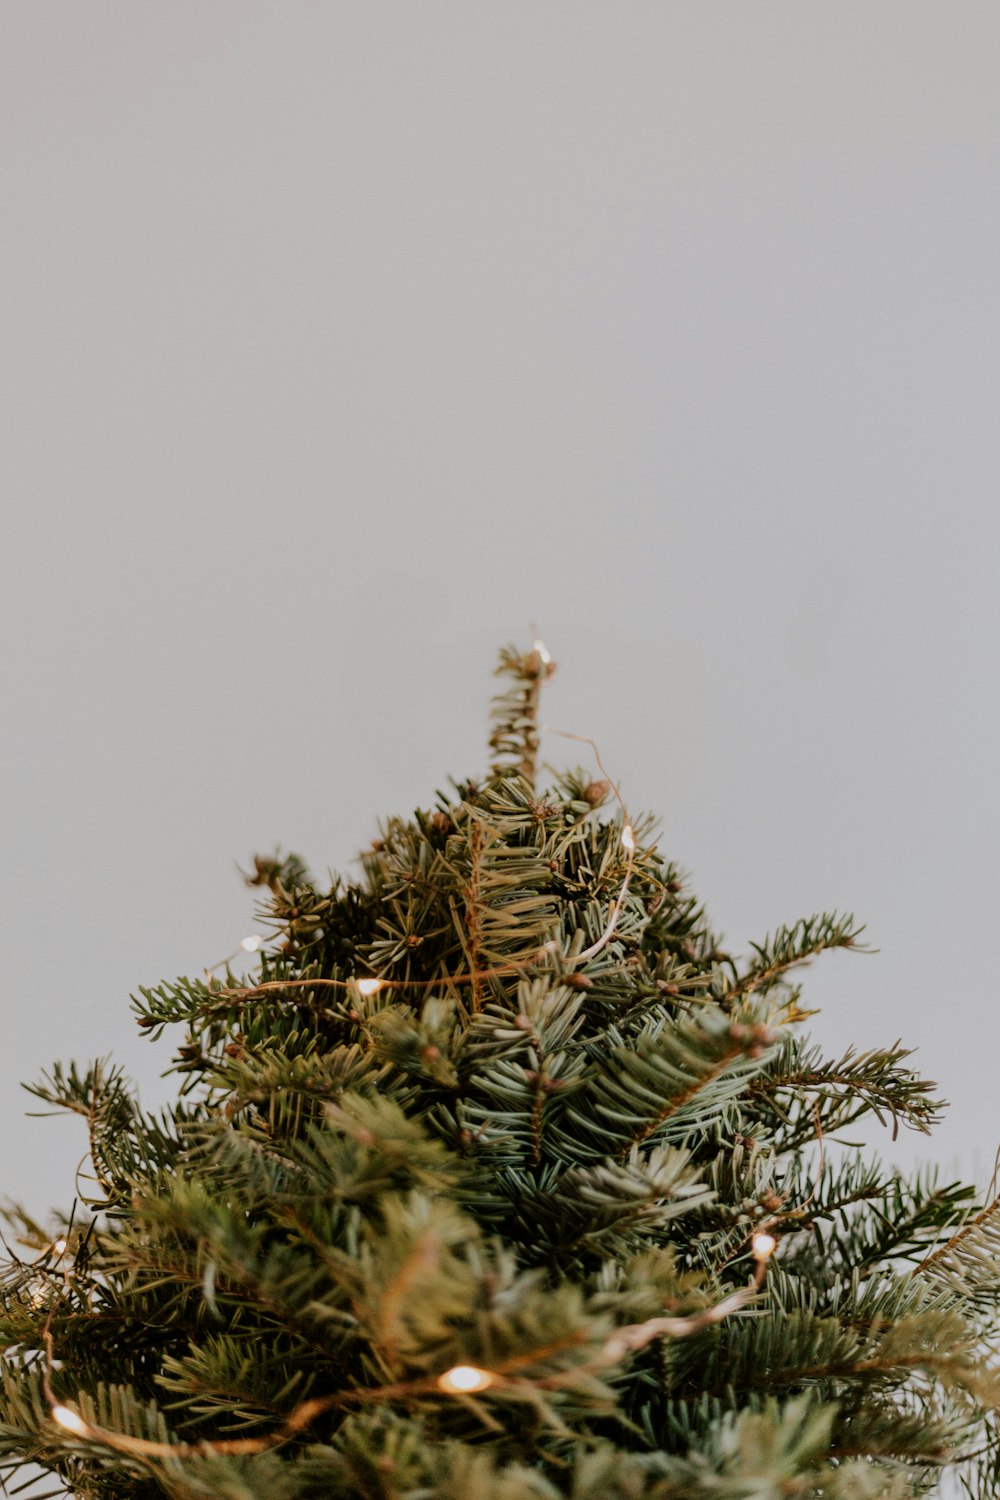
column 369, row 985
column 252, row 943
column 458, row 1381
column 628, row 842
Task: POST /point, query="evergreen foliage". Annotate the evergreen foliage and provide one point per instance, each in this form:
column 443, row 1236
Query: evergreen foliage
column 565, row 1112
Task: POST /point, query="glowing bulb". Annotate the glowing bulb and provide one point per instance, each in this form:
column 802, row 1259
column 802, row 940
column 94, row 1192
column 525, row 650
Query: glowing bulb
column 60, row 1247
column 252, row 944
column 764, row 1245
column 543, row 653
column 628, row 838
column 462, row 1379
column 70, row 1420
column 368, row 986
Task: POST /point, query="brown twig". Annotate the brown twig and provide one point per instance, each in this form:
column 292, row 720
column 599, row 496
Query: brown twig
column 473, row 917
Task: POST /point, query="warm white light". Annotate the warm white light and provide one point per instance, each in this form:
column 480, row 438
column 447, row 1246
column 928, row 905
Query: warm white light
column 763, row 1245
column 253, row 943
column 60, row 1247
column 462, row 1379
column 368, row 986
column 628, row 838
column 543, row 652
column 70, row 1420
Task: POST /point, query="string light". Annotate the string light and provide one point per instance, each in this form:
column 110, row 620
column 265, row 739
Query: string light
column 763, row 1246
column 368, row 986
column 70, row 1419
column 462, row 1380
column 252, row 943
column 628, row 844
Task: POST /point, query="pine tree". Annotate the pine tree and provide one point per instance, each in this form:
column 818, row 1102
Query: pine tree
column 501, row 1178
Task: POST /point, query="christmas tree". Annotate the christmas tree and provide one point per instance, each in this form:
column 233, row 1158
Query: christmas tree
column 500, row 1178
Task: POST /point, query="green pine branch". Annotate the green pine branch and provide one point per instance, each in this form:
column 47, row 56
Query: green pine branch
column 540, row 1145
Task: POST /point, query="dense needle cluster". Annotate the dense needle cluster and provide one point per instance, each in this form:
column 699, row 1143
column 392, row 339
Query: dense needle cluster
column 394, row 1239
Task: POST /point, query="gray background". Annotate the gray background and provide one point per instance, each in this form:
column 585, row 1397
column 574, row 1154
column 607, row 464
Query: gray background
column 342, row 342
